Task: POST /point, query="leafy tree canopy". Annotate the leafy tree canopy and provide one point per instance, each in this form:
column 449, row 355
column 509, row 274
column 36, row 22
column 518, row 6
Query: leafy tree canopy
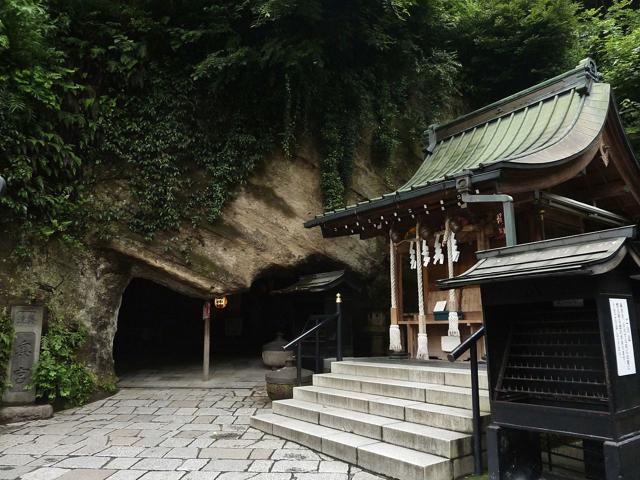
column 612, row 36
column 176, row 102
column 507, row 46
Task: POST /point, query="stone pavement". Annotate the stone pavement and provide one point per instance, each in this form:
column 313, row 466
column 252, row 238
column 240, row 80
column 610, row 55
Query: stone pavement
column 162, row 434
column 226, row 372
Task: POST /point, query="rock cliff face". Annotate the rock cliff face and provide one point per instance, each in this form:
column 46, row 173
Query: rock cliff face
column 261, row 229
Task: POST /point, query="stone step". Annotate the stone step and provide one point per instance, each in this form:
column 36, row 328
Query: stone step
column 444, row 416
column 391, row 460
column 441, row 416
column 442, row 375
column 439, row 394
column 403, row 463
column 339, row 419
column 438, row 441
column 305, row 433
column 356, row 401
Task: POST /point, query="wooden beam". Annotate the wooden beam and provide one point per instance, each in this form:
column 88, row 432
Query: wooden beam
column 624, row 164
column 615, row 188
column 518, row 181
column 337, row 228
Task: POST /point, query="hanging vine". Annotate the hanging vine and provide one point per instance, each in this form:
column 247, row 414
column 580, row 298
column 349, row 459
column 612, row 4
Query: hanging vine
column 149, row 115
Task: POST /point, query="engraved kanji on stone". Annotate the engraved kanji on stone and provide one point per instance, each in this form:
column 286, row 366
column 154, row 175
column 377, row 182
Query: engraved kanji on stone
column 25, row 352
column 24, row 349
column 26, row 317
column 21, row 375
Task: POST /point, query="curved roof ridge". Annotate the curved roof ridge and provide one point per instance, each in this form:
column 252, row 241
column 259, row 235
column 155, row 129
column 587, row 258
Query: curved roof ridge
column 550, row 131
column 562, row 136
column 548, row 124
column 440, row 163
column 582, row 76
column 526, row 126
column 567, row 133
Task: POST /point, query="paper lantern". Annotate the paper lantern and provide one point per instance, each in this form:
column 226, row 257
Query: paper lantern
column 220, row 302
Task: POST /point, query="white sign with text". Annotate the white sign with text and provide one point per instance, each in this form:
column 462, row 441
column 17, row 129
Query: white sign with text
column 625, row 356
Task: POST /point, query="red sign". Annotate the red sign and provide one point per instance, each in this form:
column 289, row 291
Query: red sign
column 206, row 310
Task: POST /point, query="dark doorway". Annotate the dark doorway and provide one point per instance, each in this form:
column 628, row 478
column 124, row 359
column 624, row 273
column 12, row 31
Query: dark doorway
column 160, row 330
column 157, row 327
column 250, row 320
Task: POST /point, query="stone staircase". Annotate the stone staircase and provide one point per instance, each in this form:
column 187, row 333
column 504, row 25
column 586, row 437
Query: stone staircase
column 400, row 420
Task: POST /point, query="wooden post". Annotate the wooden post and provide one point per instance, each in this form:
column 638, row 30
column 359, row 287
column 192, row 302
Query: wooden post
column 206, row 317
column 482, row 243
column 395, row 342
column 400, row 286
column 423, row 342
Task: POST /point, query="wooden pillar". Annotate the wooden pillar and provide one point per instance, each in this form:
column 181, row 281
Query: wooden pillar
column 482, row 244
column 393, row 287
column 450, row 341
column 399, row 273
column 206, row 318
column 423, row 342
column 425, row 293
column 395, row 339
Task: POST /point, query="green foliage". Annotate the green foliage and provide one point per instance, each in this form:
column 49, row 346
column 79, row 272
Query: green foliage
column 178, row 102
column 612, row 36
column 6, row 340
column 508, row 45
column 108, row 385
column 60, row 376
column 43, row 123
column 150, row 114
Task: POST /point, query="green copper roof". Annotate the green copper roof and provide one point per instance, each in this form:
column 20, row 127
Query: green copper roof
column 547, row 131
column 550, row 123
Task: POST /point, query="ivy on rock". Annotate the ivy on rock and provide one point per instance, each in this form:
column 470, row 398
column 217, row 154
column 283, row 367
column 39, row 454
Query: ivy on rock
column 172, row 105
column 149, row 114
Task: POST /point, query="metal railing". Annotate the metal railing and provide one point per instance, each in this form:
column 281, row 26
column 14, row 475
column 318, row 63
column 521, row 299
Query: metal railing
column 316, row 329
column 470, row 344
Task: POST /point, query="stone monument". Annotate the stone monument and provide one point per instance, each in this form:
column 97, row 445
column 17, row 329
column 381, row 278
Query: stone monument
column 25, row 352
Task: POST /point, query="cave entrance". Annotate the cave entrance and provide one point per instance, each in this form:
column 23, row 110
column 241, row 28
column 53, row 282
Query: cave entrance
column 160, row 336
column 158, row 328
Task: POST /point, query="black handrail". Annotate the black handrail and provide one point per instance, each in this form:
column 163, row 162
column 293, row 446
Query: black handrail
column 305, row 334
column 461, row 349
column 471, row 345
column 316, row 329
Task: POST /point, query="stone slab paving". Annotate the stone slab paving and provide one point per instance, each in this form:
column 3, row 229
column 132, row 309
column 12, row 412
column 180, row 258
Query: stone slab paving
column 163, row 434
column 226, row 372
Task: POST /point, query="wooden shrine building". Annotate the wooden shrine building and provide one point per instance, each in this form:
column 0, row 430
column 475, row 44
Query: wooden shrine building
column 550, row 161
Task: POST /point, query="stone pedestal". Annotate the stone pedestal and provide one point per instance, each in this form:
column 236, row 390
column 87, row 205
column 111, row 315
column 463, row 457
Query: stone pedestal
column 25, row 352
column 22, row 413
